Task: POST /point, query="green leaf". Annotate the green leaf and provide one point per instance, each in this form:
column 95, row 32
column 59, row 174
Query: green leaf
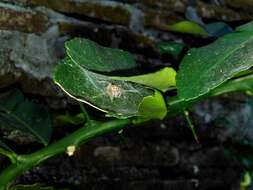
column 218, row 29
column 172, row 48
column 243, row 84
column 246, row 27
column 92, row 56
column 100, row 91
column 204, row 69
column 161, row 80
column 20, row 114
column 189, row 28
column 153, row 107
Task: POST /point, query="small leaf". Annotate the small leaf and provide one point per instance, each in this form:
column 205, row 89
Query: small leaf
column 28, row 117
column 218, row 29
column 153, row 107
column 246, row 181
column 246, row 27
column 189, row 28
column 171, row 48
column 92, row 56
column 100, row 91
column 161, row 80
column 205, row 68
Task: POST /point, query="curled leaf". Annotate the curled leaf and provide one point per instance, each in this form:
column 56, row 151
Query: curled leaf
column 161, row 80
column 153, row 107
column 99, row 91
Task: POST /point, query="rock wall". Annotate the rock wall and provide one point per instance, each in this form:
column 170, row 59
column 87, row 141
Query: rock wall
column 161, row 156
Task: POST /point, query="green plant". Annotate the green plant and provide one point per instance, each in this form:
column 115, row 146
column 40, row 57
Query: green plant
column 86, row 76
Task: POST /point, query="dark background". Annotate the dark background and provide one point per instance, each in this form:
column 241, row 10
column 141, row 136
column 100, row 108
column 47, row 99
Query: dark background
column 159, row 155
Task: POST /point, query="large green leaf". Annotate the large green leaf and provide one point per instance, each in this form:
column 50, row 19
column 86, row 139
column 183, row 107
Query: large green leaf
column 108, row 95
column 246, row 27
column 20, row 114
column 161, row 80
column 92, row 56
column 203, row 69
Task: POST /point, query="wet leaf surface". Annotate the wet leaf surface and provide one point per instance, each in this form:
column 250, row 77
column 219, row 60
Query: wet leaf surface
column 205, row 68
column 100, row 91
column 92, row 56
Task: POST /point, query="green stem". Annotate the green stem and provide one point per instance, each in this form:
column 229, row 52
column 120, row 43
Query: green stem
column 87, row 117
column 186, row 114
column 11, row 155
column 22, row 163
column 82, row 135
column 243, row 84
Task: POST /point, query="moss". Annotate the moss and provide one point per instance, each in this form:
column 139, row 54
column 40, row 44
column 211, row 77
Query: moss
column 174, row 5
column 222, row 13
column 245, row 4
column 160, row 20
column 115, row 13
column 22, row 21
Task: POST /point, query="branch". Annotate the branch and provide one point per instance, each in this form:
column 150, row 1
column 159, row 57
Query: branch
column 82, row 135
column 11, row 155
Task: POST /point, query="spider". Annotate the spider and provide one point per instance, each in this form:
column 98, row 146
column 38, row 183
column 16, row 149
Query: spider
column 113, row 91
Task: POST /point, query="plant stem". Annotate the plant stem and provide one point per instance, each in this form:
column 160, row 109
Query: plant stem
column 82, row 135
column 11, row 155
column 87, row 117
column 177, row 105
column 21, row 163
column 186, row 114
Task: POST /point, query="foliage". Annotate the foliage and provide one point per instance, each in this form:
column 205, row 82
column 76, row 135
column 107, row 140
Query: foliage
column 18, row 113
column 214, row 64
column 92, row 56
column 85, row 74
column 172, row 48
column 188, row 27
column 116, row 96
